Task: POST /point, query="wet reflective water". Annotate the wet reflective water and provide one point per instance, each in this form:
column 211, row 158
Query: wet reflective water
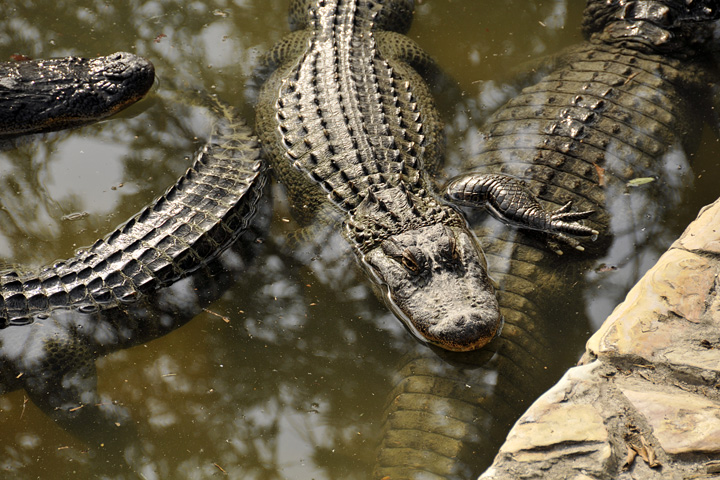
column 289, row 372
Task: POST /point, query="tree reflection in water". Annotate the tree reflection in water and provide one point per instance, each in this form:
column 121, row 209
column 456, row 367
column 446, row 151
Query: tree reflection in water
column 289, row 372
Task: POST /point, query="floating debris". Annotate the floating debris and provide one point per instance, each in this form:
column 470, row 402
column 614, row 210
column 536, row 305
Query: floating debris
column 604, row 267
column 71, row 217
column 601, row 174
column 636, row 182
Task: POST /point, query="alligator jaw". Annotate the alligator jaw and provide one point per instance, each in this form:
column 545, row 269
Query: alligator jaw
column 436, row 281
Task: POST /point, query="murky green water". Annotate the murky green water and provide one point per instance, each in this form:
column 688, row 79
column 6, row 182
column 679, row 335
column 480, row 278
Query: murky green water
column 287, row 375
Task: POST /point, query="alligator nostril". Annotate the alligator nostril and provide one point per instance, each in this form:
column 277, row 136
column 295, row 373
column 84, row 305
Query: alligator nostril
column 460, row 321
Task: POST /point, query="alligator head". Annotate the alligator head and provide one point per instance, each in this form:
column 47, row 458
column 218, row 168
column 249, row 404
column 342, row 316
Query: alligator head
column 57, row 93
column 85, row 90
column 429, row 267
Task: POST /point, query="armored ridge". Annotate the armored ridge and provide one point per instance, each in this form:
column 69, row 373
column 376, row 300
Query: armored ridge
column 52, row 94
column 191, row 224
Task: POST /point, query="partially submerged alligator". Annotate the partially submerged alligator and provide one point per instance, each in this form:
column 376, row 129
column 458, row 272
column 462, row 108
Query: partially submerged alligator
column 346, row 116
column 345, row 108
column 380, row 137
column 610, row 110
column 57, row 93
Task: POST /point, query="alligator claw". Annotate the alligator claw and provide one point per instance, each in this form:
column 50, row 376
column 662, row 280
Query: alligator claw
column 564, row 213
column 564, row 208
column 556, row 241
column 564, row 221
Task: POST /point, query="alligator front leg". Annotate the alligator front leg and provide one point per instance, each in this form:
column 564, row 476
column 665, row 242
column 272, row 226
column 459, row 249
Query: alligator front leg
column 510, row 201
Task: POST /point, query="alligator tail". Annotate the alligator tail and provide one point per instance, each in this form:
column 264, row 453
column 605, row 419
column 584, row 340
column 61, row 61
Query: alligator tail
column 184, row 229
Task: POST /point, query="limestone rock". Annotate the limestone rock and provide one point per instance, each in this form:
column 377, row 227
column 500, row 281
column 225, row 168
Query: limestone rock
column 648, row 384
column 704, row 233
column 666, row 317
column 682, row 422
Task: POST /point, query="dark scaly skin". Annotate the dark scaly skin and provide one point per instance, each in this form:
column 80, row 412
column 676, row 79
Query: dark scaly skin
column 509, row 200
column 188, row 226
column 346, row 116
column 618, row 103
column 57, row 93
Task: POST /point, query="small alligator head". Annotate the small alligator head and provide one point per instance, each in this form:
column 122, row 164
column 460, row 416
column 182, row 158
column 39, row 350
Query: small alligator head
column 429, row 267
column 659, row 25
column 119, row 80
column 67, row 92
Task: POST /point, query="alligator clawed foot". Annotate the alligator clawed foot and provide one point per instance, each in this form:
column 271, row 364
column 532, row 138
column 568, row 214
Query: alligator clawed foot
column 509, row 200
column 563, row 221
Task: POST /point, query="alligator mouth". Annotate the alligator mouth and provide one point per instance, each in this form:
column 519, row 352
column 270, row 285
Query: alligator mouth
column 457, row 331
column 464, row 332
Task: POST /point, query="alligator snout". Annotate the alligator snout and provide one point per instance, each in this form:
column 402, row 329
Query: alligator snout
column 123, row 65
column 465, row 331
column 116, row 81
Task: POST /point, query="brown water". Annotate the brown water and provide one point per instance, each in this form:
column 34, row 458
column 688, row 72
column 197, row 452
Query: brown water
column 294, row 383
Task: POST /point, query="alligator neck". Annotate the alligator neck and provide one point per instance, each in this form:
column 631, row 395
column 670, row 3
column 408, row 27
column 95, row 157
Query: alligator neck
column 394, row 210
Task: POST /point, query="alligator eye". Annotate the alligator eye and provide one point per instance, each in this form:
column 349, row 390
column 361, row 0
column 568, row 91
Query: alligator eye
column 410, row 262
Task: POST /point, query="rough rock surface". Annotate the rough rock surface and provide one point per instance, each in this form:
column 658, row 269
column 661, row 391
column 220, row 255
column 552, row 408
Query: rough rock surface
column 644, row 401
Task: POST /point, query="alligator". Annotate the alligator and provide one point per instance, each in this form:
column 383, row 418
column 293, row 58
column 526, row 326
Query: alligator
column 349, row 126
column 381, row 137
column 147, row 278
column 365, row 130
column 52, row 94
column 607, row 111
